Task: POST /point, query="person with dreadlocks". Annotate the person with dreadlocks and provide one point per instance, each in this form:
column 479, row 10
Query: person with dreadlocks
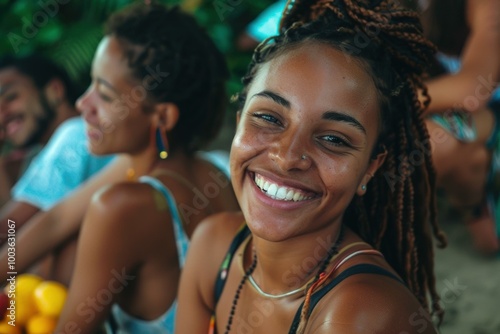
column 157, row 96
column 324, row 243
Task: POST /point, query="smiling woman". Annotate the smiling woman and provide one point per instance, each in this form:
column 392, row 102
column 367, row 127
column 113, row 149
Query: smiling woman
column 334, row 232
column 137, row 231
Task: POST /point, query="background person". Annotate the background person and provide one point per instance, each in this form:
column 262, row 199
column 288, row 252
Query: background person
column 141, row 227
column 36, row 96
column 463, row 112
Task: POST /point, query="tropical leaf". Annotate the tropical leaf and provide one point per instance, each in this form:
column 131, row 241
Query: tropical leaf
column 76, row 49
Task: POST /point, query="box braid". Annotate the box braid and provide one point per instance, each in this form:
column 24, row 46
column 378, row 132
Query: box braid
column 156, row 37
column 394, row 214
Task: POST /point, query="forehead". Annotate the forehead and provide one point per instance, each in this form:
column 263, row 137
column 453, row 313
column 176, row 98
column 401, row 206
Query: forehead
column 320, row 77
column 110, row 62
column 10, row 77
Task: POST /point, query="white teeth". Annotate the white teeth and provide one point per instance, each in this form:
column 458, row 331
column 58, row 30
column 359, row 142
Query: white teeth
column 266, row 186
column 280, row 193
column 258, row 182
column 272, row 190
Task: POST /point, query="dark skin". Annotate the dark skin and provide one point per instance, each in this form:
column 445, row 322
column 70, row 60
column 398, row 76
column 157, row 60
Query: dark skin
column 128, row 227
column 22, row 110
column 310, row 100
column 57, row 228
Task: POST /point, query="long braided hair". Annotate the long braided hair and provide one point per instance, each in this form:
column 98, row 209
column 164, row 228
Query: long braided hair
column 394, row 214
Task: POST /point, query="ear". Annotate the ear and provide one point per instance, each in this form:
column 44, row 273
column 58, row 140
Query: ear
column 55, row 92
column 166, row 116
column 371, row 170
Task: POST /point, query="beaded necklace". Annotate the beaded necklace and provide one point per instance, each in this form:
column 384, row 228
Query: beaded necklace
column 321, row 272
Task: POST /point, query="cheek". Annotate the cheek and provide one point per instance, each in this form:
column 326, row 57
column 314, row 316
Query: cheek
column 110, row 118
column 341, row 175
column 31, row 106
column 246, row 143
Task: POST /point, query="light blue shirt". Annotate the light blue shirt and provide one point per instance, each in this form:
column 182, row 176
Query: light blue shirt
column 266, row 24
column 63, row 164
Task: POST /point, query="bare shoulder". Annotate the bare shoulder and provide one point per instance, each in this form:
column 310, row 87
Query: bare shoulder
column 209, row 245
column 221, row 226
column 123, row 198
column 368, row 303
column 214, row 235
column 127, row 208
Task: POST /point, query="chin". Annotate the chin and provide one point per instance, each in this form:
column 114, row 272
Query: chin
column 98, row 150
column 21, row 142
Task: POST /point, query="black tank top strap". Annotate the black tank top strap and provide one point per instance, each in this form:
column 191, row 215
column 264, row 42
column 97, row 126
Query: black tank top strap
column 354, row 270
column 242, row 234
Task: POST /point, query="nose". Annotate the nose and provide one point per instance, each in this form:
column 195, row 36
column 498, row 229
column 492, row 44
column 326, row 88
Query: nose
column 290, row 151
column 86, row 106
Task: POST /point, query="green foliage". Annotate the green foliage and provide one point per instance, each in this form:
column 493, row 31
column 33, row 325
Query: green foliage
column 69, row 32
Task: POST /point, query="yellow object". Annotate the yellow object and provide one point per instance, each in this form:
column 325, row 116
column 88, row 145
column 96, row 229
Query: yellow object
column 5, row 328
column 50, row 297
column 25, row 285
column 25, row 309
column 41, row 324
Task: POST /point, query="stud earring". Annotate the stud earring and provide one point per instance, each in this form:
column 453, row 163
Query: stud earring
column 303, row 157
column 161, row 144
column 363, row 187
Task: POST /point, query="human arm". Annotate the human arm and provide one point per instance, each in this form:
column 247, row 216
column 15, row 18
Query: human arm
column 208, row 247
column 47, row 230
column 471, row 87
column 110, row 251
column 17, row 211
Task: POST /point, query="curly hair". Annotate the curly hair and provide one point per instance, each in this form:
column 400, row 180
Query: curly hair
column 156, row 37
column 394, row 214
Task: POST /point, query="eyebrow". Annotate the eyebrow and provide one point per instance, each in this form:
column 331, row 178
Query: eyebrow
column 275, row 97
column 341, row 117
column 329, row 115
column 107, row 84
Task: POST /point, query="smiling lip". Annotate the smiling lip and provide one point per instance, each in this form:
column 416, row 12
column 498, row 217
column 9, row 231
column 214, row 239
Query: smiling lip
column 277, row 194
column 94, row 134
column 13, row 124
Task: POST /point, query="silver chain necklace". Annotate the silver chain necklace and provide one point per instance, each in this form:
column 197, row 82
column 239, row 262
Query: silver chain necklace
column 282, row 295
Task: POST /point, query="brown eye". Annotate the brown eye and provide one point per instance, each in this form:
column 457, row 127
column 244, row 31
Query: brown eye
column 267, row 118
column 335, row 141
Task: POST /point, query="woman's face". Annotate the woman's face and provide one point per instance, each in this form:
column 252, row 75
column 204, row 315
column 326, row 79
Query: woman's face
column 312, row 101
column 113, row 105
